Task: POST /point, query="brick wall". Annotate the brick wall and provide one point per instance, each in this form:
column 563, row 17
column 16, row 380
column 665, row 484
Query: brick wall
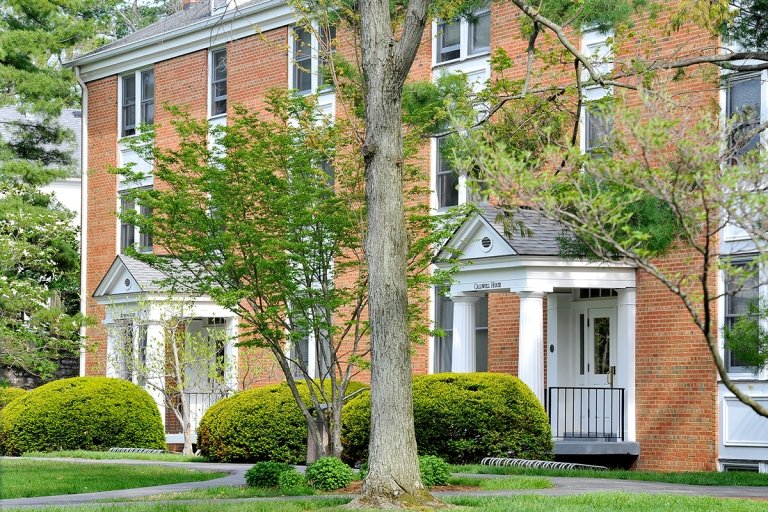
column 102, row 203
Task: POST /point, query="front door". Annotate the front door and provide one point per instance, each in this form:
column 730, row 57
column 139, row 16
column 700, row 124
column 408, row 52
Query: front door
column 597, row 400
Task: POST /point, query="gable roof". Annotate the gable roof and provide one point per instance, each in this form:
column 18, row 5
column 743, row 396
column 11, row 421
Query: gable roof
column 194, row 12
column 138, row 277
column 484, row 235
column 543, row 232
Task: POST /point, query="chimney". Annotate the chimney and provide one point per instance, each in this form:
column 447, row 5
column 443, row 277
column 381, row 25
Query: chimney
column 188, row 4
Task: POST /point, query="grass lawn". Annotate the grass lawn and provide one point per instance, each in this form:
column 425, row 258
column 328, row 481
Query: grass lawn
column 27, row 478
column 85, row 454
column 611, row 502
column 738, row 478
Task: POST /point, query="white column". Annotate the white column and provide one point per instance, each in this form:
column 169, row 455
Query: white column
column 231, row 378
column 530, row 365
column 625, row 352
column 463, row 348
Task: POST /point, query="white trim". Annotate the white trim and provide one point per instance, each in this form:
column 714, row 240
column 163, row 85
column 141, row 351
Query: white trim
column 83, row 213
column 212, row 31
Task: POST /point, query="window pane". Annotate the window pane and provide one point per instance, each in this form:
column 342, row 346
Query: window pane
column 444, row 345
column 145, row 239
column 129, row 106
column 480, row 33
column 148, row 112
column 219, row 83
column 220, row 65
column 147, row 85
column 599, row 125
column 447, row 180
column 302, row 77
column 744, row 103
column 449, row 41
column 302, row 44
column 602, row 345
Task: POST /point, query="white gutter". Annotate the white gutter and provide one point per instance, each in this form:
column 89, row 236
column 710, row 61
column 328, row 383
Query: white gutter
column 83, row 208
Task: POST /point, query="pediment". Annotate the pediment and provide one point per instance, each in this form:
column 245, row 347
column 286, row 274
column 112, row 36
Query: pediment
column 117, row 281
column 477, row 239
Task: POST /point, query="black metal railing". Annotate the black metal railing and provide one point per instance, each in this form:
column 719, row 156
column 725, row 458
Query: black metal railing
column 198, row 404
column 586, row 413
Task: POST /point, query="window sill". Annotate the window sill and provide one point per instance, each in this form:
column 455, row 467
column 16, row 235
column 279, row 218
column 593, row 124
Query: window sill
column 468, row 58
column 217, row 116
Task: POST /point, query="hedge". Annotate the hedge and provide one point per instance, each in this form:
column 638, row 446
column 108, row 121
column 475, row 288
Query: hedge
column 462, row 418
column 81, row 413
column 261, row 424
column 7, row 395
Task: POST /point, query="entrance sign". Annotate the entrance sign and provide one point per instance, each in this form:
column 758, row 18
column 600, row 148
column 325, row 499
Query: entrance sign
column 488, row 285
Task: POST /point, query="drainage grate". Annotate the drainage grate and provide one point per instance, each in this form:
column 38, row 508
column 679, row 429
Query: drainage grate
column 537, row 464
column 136, row 450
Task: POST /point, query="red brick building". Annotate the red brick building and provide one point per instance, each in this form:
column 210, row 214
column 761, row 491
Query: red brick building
column 613, row 354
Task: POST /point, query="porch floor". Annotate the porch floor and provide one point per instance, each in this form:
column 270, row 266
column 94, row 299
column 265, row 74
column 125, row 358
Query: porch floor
column 595, row 447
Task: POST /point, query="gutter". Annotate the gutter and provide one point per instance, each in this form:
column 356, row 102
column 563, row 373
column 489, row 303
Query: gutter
column 83, row 208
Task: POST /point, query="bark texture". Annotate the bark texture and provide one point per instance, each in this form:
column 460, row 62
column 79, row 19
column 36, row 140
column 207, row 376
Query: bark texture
column 393, row 476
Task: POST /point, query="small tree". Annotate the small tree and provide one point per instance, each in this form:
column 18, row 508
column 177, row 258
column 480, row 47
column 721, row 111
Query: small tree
column 169, row 361
column 269, row 221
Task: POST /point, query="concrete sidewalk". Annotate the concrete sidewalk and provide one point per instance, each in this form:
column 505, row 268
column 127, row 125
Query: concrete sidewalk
column 563, row 486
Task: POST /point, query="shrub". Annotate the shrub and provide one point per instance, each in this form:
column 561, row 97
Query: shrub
column 7, row 395
column 462, row 418
column 293, row 483
column 434, row 470
column 266, row 474
column 329, row 474
column 257, row 425
column 82, row 413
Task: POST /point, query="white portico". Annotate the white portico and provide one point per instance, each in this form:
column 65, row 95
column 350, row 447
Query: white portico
column 138, row 316
column 589, row 386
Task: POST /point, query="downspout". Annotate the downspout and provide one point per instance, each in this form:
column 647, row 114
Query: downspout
column 83, row 209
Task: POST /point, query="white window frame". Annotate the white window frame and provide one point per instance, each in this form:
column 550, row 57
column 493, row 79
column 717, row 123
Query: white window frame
column 211, row 53
column 314, row 59
column 465, row 34
column 136, row 231
column 138, row 101
column 596, row 45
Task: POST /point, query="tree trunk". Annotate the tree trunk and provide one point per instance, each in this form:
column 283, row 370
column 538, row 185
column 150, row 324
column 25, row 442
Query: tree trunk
column 393, row 479
column 186, row 425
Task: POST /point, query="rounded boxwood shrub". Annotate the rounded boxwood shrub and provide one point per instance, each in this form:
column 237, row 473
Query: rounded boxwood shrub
column 261, row 424
column 462, row 418
column 434, row 470
column 7, row 395
column 266, row 474
column 329, row 474
column 81, row 413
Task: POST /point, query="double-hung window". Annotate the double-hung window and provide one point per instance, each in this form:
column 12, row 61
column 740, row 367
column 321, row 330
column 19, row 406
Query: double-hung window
column 446, row 178
column 311, row 52
column 219, row 82
column 740, row 294
column 464, row 38
column 743, row 106
column 137, row 101
column 130, row 234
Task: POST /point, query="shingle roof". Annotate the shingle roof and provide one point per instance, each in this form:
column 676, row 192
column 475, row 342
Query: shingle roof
column 543, row 232
column 148, row 278
column 195, row 12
